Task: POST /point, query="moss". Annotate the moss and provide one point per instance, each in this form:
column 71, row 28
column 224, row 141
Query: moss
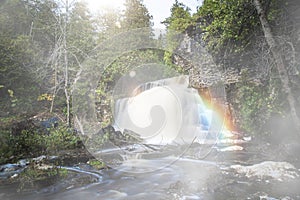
column 96, row 164
column 43, row 172
column 37, row 175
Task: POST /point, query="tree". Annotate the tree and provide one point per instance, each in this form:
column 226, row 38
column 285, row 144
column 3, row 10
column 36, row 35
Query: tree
column 179, row 22
column 76, row 38
column 235, row 34
column 277, row 56
column 20, row 57
column 81, row 32
column 180, row 18
column 108, row 23
column 136, row 15
column 228, row 29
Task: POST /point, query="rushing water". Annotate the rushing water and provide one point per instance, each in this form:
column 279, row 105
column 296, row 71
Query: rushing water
column 187, row 178
column 215, row 167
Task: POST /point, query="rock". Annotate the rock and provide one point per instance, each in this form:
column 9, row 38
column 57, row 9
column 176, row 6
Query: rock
column 9, row 170
column 118, row 138
column 50, row 123
column 14, row 176
column 231, row 148
column 39, row 159
column 286, row 198
column 266, row 197
column 268, row 169
column 35, row 124
column 23, row 162
column 53, row 158
column 247, row 138
column 9, row 167
column 44, row 167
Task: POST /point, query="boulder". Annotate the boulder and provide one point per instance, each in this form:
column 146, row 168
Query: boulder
column 268, row 169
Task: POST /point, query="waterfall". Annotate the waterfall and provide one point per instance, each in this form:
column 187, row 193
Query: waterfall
column 166, row 112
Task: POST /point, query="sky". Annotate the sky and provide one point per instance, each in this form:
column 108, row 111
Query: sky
column 159, row 9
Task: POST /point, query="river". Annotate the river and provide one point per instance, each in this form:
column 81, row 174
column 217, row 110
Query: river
column 226, row 172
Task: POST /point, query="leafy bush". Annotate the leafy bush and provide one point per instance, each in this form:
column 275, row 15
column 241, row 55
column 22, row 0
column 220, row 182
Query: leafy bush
column 61, row 138
column 34, row 143
column 256, row 104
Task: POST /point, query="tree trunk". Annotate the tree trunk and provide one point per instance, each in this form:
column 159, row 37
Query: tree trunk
column 56, row 56
column 66, row 62
column 283, row 73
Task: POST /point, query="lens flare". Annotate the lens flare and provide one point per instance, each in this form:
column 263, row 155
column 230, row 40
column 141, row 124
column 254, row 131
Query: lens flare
column 156, row 113
column 210, row 108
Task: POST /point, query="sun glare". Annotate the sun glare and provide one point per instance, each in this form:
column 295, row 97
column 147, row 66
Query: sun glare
column 96, row 5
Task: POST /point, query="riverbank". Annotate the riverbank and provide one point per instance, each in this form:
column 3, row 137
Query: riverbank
column 236, row 174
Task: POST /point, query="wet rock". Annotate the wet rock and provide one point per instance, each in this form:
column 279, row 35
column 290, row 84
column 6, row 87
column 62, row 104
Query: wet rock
column 52, row 122
column 14, row 176
column 39, row 159
column 231, row 148
column 176, row 189
column 265, row 196
column 23, row 162
column 276, row 170
column 84, row 167
column 40, row 124
column 119, row 138
column 286, row 198
column 53, row 158
column 44, row 167
column 9, row 170
column 9, row 167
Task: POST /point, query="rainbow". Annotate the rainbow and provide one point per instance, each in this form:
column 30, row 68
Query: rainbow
column 168, row 111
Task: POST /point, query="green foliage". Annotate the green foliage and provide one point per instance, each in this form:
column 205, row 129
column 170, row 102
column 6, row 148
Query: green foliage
column 96, row 164
column 255, row 105
column 170, row 66
column 180, row 18
column 14, row 19
column 80, row 33
column 227, row 22
column 108, row 24
column 34, row 173
column 32, row 143
column 60, row 138
column 32, row 176
column 20, row 57
column 179, row 21
column 136, row 15
column 229, row 30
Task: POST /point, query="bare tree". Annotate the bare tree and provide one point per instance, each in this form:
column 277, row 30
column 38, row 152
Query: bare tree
column 59, row 60
column 66, row 63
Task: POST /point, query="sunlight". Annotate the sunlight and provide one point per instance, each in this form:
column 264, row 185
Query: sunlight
column 96, row 5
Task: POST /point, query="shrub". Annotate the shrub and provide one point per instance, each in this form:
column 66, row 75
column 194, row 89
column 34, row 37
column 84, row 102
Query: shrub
column 32, row 143
column 256, row 104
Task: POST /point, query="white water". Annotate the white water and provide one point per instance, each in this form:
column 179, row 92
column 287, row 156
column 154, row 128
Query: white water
column 184, row 179
column 167, row 112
